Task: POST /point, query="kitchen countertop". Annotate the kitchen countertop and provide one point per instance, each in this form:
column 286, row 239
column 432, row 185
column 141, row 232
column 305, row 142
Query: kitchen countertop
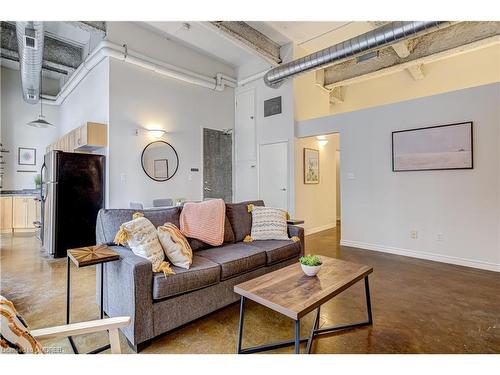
column 7, row 193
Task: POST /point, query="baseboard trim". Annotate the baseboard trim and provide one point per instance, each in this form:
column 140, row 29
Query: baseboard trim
column 319, row 229
column 424, row 255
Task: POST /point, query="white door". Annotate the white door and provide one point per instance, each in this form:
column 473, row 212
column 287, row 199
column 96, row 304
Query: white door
column 245, row 147
column 273, row 174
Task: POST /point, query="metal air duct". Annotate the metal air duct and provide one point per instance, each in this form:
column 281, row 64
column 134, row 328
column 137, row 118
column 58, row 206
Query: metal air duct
column 30, row 47
column 384, row 36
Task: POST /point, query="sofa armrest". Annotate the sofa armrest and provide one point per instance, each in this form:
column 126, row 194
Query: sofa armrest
column 294, row 230
column 128, row 285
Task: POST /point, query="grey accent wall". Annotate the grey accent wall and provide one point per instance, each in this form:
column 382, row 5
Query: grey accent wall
column 380, row 207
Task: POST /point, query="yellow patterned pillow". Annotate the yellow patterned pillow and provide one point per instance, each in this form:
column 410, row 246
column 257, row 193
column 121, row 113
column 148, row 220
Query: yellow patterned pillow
column 15, row 336
column 175, row 245
column 140, row 235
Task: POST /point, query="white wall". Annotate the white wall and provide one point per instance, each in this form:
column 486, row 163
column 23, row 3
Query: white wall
column 316, row 203
column 276, row 128
column 15, row 113
column 142, row 99
column 89, row 101
column 380, row 207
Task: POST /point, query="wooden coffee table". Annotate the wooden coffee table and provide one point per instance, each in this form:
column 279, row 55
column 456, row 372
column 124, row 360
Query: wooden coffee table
column 290, row 292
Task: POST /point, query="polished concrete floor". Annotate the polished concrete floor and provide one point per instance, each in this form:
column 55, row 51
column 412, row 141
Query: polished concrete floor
column 418, row 306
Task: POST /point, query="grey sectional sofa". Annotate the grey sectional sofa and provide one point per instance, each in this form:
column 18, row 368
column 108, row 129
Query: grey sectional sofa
column 159, row 304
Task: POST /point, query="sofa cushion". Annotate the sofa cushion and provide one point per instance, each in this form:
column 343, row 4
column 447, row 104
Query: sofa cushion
column 228, row 238
column 109, row 220
column 235, row 259
column 202, row 273
column 240, row 219
column 278, row 250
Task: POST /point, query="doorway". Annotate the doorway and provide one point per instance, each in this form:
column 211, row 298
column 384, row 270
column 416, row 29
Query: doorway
column 218, row 164
column 273, row 174
column 316, row 200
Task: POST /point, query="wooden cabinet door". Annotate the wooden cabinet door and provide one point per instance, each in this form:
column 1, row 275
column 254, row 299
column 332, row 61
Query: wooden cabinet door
column 31, row 212
column 19, row 212
column 6, row 215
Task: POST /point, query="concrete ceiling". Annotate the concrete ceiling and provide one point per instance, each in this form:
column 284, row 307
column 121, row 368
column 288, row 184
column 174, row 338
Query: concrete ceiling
column 203, row 38
column 311, row 36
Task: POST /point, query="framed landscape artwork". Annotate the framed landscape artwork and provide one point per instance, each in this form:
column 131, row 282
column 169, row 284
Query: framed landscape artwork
column 433, row 148
column 311, row 166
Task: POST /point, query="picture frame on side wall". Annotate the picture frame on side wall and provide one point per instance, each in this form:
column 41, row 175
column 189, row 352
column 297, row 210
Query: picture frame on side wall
column 442, row 147
column 311, row 166
column 26, row 156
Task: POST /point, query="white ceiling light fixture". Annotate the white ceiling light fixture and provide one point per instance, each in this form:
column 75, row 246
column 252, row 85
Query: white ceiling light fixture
column 322, row 141
column 156, row 133
column 40, row 122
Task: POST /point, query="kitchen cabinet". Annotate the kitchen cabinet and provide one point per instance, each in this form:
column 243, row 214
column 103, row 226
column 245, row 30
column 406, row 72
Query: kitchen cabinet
column 25, row 210
column 86, row 138
column 6, row 214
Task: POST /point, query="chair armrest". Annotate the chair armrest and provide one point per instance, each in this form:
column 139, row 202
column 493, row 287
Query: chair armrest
column 82, row 327
column 294, row 230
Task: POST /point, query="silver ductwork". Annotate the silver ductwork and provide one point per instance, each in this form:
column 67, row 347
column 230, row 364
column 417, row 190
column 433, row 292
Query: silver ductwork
column 30, row 47
column 384, row 36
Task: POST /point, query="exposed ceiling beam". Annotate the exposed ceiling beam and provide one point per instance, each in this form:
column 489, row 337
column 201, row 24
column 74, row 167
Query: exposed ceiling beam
column 403, row 49
column 453, row 40
column 250, row 39
column 58, row 56
column 337, row 95
column 90, row 26
column 416, row 71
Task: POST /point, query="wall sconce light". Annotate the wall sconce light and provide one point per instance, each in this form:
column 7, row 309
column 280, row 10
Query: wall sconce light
column 322, row 141
column 156, row 133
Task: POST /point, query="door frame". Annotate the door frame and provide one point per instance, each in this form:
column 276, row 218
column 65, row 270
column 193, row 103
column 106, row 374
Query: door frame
column 202, row 166
column 255, row 116
column 287, row 143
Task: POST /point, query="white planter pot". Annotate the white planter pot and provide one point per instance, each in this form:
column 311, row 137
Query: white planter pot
column 310, row 270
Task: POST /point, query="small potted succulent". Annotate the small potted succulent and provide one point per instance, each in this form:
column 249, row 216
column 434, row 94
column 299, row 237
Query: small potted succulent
column 310, row 264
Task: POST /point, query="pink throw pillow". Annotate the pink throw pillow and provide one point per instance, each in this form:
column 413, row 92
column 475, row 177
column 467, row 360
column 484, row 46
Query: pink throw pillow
column 204, row 221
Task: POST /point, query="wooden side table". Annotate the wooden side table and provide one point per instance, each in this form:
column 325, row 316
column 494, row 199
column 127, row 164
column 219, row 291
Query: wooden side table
column 295, row 221
column 84, row 257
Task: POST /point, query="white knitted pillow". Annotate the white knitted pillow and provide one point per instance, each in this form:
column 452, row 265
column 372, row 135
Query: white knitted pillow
column 140, row 235
column 268, row 224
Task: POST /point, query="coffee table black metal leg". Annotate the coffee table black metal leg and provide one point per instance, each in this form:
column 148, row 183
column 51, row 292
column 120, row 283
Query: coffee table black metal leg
column 313, row 330
column 240, row 327
column 368, row 301
column 297, row 336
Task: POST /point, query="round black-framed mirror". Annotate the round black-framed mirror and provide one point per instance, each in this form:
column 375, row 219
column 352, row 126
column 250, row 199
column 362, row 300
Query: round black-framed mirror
column 159, row 161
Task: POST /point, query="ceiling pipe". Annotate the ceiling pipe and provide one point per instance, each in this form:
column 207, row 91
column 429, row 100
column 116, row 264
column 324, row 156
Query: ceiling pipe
column 384, row 36
column 108, row 49
column 30, row 48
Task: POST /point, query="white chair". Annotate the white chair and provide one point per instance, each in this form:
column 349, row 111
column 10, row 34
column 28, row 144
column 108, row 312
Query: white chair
column 136, row 205
column 109, row 324
column 162, row 202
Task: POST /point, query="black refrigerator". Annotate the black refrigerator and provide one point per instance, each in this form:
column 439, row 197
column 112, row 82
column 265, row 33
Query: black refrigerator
column 72, row 194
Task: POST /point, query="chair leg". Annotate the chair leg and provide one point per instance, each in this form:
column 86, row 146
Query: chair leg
column 114, row 341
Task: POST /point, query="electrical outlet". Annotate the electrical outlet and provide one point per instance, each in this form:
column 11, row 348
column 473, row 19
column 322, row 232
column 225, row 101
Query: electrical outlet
column 413, row 234
column 440, row 237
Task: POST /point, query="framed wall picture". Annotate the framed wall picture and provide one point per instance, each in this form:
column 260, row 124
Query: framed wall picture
column 311, row 166
column 440, row 147
column 26, row 156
